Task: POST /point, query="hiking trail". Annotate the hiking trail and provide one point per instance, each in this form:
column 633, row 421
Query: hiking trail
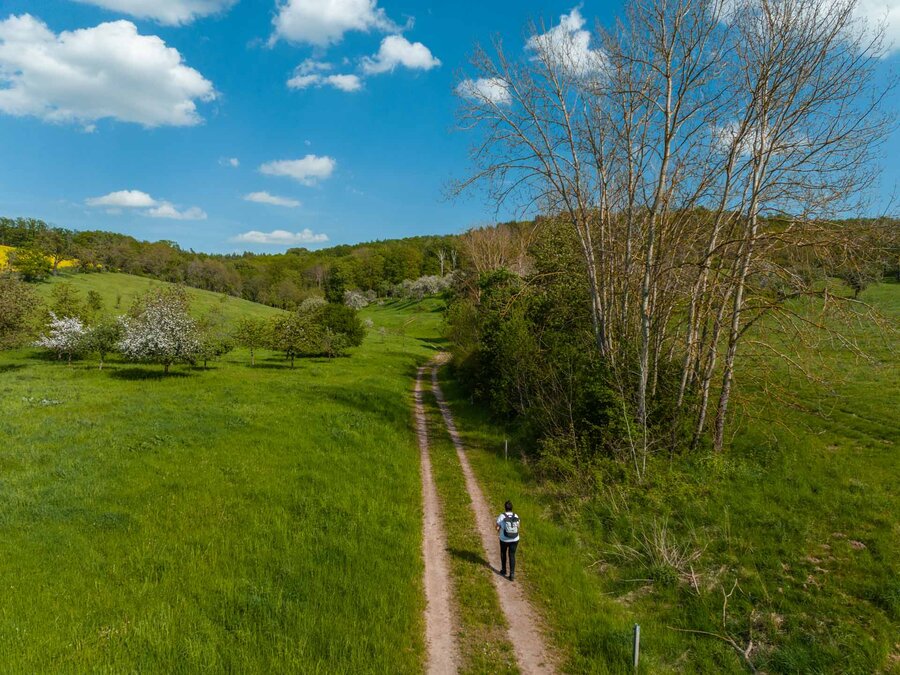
column 440, row 630
column 532, row 653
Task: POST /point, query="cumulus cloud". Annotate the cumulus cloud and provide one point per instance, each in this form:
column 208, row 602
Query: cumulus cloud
column 344, row 82
column 136, row 199
column 232, row 162
column 486, row 90
column 130, row 199
column 168, row 210
column 568, row 45
column 109, row 71
column 312, row 73
column 169, row 12
column 395, row 51
column 886, row 12
column 266, row 198
column 308, row 170
column 281, row 237
column 324, row 22
column 872, row 14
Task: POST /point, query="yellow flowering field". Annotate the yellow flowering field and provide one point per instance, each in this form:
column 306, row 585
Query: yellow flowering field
column 5, row 251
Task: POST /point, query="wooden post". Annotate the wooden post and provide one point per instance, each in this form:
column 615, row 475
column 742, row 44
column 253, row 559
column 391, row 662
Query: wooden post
column 506, row 449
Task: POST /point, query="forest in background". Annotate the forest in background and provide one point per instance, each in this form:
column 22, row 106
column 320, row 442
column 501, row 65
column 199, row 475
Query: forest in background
column 281, row 280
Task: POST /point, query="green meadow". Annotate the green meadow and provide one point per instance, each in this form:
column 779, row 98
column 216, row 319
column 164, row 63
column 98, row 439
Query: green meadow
column 259, row 519
column 229, row 519
column 118, row 291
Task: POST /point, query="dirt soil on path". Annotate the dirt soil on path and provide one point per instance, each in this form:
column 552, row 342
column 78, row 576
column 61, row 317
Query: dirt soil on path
column 532, row 652
column 440, row 627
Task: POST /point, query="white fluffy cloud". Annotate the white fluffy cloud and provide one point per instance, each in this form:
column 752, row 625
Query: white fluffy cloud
column 136, row 199
column 308, row 170
column 348, row 83
column 232, row 162
column 324, row 22
column 344, row 82
column 168, row 210
column 281, row 237
column 170, row 12
column 395, row 51
column 486, row 90
column 129, row 199
column 109, row 71
column 876, row 12
column 313, row 73
column 266, row 198
column 568, row 44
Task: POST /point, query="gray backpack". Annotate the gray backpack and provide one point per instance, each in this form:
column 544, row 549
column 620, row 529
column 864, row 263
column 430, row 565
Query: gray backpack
column 511, row 526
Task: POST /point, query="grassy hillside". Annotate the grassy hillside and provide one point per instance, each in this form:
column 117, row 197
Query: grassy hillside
column 119, row 291
column 234, row 519
column 796, row 530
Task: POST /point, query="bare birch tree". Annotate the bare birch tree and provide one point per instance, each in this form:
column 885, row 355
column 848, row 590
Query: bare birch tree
column 693, row 148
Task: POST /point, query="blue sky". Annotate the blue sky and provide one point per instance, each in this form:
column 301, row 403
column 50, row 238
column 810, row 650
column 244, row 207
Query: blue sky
column 367, row 144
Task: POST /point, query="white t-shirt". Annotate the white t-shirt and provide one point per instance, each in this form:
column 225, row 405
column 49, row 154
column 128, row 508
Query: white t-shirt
column 503, row 536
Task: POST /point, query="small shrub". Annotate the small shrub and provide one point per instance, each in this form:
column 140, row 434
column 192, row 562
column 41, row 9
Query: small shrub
column 663, row 559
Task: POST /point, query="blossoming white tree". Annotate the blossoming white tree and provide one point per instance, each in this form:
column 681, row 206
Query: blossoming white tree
column 65, row 336
column 159, row 329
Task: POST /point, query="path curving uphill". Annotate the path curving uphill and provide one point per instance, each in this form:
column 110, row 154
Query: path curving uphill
column 440, row 630
column 532, row 652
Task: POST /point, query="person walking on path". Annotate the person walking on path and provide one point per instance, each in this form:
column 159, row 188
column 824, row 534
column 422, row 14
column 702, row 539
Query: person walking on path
column 508, row 528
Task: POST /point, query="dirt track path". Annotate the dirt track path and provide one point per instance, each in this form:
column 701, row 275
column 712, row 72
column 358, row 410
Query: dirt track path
column 532, row 653
column 440, row 631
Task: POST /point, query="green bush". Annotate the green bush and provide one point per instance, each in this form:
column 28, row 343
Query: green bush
column 344, row 321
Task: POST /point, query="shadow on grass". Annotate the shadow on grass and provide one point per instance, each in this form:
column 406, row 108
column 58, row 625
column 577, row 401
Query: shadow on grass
column 471, row 557
column 135, row 374
column 436, row 343
column 48, row 356
column 10, row 367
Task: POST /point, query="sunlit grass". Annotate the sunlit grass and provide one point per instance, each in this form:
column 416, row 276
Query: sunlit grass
column 233, row 519
column 803, row 513
column 118, row 291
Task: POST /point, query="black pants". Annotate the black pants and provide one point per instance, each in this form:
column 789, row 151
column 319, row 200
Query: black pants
column 508, row 546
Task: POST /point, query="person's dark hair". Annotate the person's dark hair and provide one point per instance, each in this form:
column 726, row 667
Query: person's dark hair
column 508, row 505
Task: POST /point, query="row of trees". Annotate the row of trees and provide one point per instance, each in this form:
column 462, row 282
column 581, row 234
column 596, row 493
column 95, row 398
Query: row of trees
column 283, row 280
column 315, row 328
column 159, row 327
column 695, row 155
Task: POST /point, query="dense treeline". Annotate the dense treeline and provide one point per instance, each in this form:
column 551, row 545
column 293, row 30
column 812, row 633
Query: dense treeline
column 280, row 280
column 520, row 323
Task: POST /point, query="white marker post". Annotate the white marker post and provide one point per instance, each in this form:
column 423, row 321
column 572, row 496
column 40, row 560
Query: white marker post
column 637, row 645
